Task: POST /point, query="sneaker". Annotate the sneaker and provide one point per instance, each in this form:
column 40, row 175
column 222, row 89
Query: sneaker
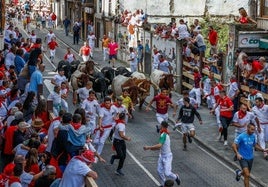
column 178, row 180
column 225, row 143
column 157, row 129
column 237, row 174
column 189, row 138
column 96, row 160
column 119, row 172
column 184, row 148
column 112, row 160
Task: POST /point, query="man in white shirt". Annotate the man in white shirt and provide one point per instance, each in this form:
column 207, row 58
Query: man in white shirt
column 106, row 123
column 91, row 41
column 82, row 93
column 156, row 55
column 59, row 78
column 233, row 92
column 261, row 110
column 92, row 108
column 77, row 169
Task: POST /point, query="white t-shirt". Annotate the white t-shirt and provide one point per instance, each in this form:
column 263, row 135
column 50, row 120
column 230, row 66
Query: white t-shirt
column 55, row 97
column 120, row 127
column 183, row 32
column 107, row 116
column 70, row 57
column 121, row 109
column 83, row 93
column 9, row 60
column 91, row 107
column 192, row 102
column 74, row 174
column 59, row 79
column 261, row 114
column 50, row 36
column 91, row 40
column 249, row 118
column 134, row 57
column 16, row 184
column 33, row 38
column 232, row 90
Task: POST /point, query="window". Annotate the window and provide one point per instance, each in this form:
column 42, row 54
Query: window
column 264, row 8
column 100, row 6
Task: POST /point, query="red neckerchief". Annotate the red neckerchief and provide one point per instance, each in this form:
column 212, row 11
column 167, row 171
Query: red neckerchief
column 55, row 119
column 261, row 106
column 80, row 158
column 232, row 81
column 164, row 130
column 241, row 114
column 120, row 121
column 76, row 125
column 254, row 93
column 104, row 106
column 161, row 96
column 245, row 62
column 117, row 105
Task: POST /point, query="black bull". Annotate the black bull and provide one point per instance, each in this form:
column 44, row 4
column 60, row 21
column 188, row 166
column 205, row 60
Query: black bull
column 69, row 68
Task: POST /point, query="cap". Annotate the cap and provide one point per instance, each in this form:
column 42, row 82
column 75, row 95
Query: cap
column 18, row 115
column 24, row 125
column 88, row 156
column 37, row 123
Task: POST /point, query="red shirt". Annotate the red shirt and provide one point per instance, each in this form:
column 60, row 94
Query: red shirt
column 213, row 37
column 256, row 67
column 162, row 102
column 9, row 139
column 112, row 47
column 85, row 50
column 197, row 79
column 52, row 45
column 225, row 103
column 45, row 118
column 243, row 20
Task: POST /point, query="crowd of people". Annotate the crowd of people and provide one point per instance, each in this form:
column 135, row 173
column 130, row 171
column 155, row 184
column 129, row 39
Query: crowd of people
column 40, row 151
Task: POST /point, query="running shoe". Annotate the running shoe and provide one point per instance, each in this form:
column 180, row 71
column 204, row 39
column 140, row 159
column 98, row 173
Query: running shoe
column 184, row 147
column 189, row 138
column 237, row 174
column 119, row 172
column 178, row 180
column 112, row 160
column 225, row 143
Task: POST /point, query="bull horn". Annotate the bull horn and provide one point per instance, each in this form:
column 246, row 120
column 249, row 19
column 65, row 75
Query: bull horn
column 125, row 88
column 63, row 66
column 104, row 71
column 97, row 80
column 176, row 75
column 90, row 76
column 142, row 89
column 107, row 79
column 155, row 85
column 140, row 84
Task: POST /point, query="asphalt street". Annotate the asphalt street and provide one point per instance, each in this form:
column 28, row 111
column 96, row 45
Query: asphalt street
column 197, row 167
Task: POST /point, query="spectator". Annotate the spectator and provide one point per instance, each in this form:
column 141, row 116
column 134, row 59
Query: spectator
column 66, row 23
column 29, row 106
column 47, row 178
column 112, row 48
column 76, row 33
column 140, row 55
column 77, row 169
column 133, row 60
column 36, row 79
column 19, row 62
column 213, row 40
column 20, row 134
column 199, row 39
column 183, row 30
column 244, row 18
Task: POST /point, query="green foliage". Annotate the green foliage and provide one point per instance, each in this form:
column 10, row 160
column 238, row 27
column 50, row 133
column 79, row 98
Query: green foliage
column 221, row 27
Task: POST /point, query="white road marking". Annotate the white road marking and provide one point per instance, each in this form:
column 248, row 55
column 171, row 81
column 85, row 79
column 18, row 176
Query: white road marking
column 143, row 168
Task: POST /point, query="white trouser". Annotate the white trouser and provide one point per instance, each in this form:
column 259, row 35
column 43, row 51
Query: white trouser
column 100, row 140
column 263, row 136
column 164, row 168
column 91, row 49
column 209, row 100
column 161, row 117
column 85, row 58
column 52, row 52
column 64, row 105
column 105, row 52
column 92, row 123
column 217, row 113
column 196, row 93
column 133, row 67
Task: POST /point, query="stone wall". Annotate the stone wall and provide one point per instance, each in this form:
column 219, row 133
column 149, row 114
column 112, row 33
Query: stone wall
column 160, row 11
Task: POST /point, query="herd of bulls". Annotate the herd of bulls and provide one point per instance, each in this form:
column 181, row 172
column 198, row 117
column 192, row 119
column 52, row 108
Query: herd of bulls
column 117, row 79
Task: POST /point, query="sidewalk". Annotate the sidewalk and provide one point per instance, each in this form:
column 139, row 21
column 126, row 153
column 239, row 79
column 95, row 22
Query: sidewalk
column 206, row 134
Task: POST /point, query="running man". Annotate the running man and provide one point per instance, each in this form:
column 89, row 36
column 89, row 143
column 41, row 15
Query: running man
column 186, row 115
column 85, row 52
column 52, row 45
column 165, row 156
column 243, row 147
column 112, row 48
column 162, row 104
